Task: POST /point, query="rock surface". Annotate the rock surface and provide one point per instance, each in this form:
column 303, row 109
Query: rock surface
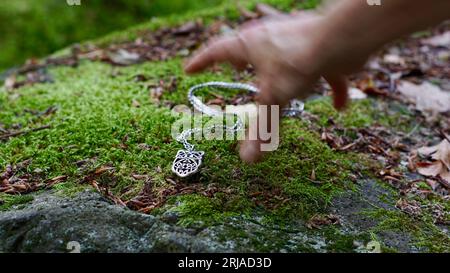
column 60, row 224
column 50, row 223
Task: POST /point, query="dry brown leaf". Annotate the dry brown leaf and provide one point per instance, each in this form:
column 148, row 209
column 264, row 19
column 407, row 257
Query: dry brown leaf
column 135, row 103
column 440, row 152
column 427, row 97
column 313, row 174
column 446, row 175
column 440, row 167
column 124, row 57
column 156, row 93
column 356, row 94
column 103, row 169
column 427, row 151
column 187, row 28
column 10, row 82
column 318, row 220
column 411, row 161
column 410, row 207
column 442, row 40
column 430, row 169
column 56, row 180
column 394, row 59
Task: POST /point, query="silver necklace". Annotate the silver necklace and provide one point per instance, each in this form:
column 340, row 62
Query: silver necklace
column 188, row 161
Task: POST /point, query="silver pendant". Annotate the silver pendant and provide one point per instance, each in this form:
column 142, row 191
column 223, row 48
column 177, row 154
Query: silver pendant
column 187, row 162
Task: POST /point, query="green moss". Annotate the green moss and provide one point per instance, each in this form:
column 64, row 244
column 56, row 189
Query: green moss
column 423, row 186
column 14, row 201
column 338, row 242
column 286, row 172
column 424, row 233
column 364, row 113
column 69, row 189
column 96, row 120
column 358, row 114
column 200, row 210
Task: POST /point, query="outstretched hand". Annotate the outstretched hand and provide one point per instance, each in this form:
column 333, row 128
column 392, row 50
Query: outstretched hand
column 286, row 55
column 291, row 53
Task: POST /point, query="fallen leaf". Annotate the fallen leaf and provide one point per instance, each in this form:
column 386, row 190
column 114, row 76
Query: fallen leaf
column 440, row 165
column 216, row 101
column 103, row 169
column 440, row 152
column 446, row 175
column 409, row 207
column 356, row 94
column 441, row 40
column 317, row 221
column 56, row 180
column 411, row 159
column 156, row 93
column 124, row 57
column 427, row 97
column 140, row 176
column 313, row 174
column 430, row 169
column 135, row 103
column 186, row 28
column 10, row 82
column 144, row 146
column 394, row 59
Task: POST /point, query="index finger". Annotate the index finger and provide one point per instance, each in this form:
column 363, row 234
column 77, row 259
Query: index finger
column 226, row 49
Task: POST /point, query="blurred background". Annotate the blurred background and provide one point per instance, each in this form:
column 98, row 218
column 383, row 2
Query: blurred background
column 36, row 28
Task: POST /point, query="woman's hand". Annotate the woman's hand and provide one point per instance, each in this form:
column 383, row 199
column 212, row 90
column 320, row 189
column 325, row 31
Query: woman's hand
column 288, row 58
column 290, row 53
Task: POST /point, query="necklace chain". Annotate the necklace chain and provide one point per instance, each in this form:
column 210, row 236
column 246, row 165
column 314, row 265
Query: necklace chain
column 189, row 160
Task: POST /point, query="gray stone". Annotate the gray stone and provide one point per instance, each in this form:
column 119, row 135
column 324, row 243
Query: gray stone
column 49, row 223
column 53, row 223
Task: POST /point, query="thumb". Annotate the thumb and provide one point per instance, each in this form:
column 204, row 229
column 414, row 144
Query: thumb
column 263, row 132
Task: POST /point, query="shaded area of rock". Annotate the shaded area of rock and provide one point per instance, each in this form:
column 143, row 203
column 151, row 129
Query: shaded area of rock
column 50, row 223
column 370, row 195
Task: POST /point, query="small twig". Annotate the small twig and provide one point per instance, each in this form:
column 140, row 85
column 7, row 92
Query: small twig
column 376, row 136
column 24, row 132
column 314, row 181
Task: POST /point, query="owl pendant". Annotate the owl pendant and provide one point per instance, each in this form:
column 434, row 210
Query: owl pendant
column 187, row 162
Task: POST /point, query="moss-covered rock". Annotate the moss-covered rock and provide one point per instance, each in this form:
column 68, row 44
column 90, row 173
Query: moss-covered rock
column 110, row 133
